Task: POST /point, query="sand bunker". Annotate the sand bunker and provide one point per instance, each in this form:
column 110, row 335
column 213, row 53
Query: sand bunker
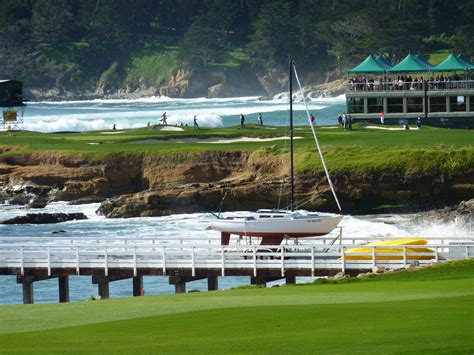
column 213, row 140
column 386, row 128
column 114, row 132
column 168, row 128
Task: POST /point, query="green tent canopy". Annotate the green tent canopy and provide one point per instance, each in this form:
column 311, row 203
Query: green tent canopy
column 383, row 62
column 451, row 63
column 411, row 64
column 464, row 61
column 423, row 61
column 369, row 65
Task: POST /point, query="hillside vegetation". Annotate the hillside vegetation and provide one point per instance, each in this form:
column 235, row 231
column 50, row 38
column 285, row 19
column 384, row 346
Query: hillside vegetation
column 425, row 311
column 86, row 46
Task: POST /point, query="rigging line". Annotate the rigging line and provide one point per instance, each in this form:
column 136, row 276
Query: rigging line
column 305, row 201
column 283, row 180
column 316, row 140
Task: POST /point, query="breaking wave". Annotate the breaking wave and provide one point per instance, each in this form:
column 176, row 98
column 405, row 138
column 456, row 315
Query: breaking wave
column 103, row 114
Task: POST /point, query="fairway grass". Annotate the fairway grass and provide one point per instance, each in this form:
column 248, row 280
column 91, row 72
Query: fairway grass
column 357, row 151
column 427, row 311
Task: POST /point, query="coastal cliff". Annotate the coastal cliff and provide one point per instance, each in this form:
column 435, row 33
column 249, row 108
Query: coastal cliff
column 162, row 184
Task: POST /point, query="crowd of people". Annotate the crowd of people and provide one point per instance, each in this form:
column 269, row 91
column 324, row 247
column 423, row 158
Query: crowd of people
column 345, row 121
column 405, row 82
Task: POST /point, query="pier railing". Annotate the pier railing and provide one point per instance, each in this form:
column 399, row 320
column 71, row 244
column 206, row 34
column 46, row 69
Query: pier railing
column 136, row 256
column 430, row 85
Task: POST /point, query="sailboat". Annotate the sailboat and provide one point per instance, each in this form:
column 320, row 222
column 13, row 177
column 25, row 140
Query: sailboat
column 272, row 226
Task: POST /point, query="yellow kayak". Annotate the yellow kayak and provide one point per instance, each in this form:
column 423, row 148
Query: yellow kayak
column 391, row 246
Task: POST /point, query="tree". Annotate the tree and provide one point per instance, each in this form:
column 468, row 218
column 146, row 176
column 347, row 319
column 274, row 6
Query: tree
column 202, row 43
column 274, row 39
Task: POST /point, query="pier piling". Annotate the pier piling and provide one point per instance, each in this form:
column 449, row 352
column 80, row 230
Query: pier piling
column 290, row 280
column 180, row 287
column 63, row 283
column 103, row 289
column 212, row 283
column 28, row 292
column 137, row 286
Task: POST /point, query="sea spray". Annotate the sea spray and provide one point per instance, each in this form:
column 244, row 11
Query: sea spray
column 164, row 229
column 103, row 114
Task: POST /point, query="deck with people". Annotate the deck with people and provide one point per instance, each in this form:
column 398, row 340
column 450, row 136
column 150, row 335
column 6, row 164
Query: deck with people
column 441, row 95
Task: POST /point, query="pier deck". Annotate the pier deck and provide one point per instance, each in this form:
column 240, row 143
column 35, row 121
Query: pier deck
column 186, row 259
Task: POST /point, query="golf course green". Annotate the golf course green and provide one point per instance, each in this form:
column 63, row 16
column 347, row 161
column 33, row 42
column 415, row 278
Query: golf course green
column 415, row 311
column 359, row 150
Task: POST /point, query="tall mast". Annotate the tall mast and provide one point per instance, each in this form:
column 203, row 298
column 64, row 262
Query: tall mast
column 292, row 177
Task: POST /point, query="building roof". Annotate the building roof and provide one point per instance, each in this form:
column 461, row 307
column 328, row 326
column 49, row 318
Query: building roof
column 369, row 65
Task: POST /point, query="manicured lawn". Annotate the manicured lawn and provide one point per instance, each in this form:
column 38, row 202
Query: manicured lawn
column 427, row 311
column 359, row 150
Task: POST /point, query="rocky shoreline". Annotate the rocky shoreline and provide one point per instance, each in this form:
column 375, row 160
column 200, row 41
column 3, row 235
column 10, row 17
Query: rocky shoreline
column 192, row 84
column 163, row 185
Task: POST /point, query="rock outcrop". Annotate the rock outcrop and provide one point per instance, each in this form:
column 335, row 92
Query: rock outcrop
column 462, row 215
column 45, row 218
column 155, row 185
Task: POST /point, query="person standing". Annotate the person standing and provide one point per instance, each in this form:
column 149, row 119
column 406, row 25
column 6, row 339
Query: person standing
column 418, row 123
column 312, row 119
column 344, row 120
column 260, row 119
column 163, row 119
column 349, row 121
column 114, row 127
column 382, row 118
column 242, row 121
column 339, row 120
column 195, row 126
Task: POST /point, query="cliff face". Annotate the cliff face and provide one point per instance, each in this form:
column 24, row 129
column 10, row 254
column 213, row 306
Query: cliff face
column 185, row 83
column 165, row 184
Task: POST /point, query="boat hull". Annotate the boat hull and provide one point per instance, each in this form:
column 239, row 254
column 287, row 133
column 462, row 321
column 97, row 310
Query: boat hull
column 274, row 231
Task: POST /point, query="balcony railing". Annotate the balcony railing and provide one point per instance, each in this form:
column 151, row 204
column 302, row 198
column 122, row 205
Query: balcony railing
column 433, row 85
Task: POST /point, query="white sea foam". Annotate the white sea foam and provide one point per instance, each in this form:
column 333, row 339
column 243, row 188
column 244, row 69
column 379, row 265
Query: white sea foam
column 151, row 99
column 210, row 114
column 167, row 228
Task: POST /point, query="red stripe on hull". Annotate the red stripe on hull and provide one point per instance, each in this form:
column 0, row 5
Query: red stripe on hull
column 268, row 238
column 280, row 235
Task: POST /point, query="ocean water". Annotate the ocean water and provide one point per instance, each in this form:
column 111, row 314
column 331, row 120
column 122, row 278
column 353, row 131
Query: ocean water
column 164, row 230
column 103, row 114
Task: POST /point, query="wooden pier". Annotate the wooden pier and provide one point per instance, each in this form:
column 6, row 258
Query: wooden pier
column 185, row 260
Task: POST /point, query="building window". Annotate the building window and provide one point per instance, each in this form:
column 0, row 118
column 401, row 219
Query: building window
column 355, row 105
column 457, row 103
column 395, row 105
column 437, row 104
column 415, row 104
column 375, row 104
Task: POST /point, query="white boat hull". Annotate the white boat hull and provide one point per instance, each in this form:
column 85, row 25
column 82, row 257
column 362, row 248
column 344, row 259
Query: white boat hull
column 273, row 231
